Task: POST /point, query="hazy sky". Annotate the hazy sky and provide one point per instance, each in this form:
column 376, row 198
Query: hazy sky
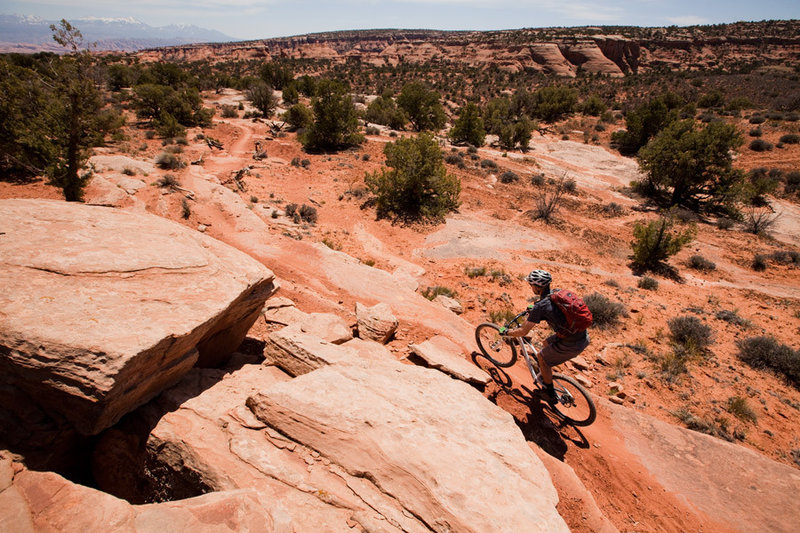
column 253, row 19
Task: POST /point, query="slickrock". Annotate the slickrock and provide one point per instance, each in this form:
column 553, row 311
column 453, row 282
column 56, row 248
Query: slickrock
column 443, row 354
column 589, row 57
column 449, row 303
column 298, row 353
column 736, row 486
column 104, row 309
column 452, row 459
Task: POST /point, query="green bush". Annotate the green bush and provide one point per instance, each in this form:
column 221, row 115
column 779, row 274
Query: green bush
column 230, row 111
column 335, row 124
column 262, row 97
column 417, row 186
column 488, row 163
column 647, row 283
column 606, row 313
column 732, row 317
column 655, row 242
column 468, row 128
column 168, row 161
column 432, row 292
column 308, row 213
column 790, row 138
column 689, row 334
column 756, row 132
column 508, row 177
column 383, row 110
column 757, row 119
column 765, row 352
column 552, row 103
column 760, row 145
column 422, row 106
column 298, row 116
column 644, row 122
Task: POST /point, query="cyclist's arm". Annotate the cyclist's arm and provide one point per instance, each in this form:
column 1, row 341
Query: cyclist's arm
column 522, row 330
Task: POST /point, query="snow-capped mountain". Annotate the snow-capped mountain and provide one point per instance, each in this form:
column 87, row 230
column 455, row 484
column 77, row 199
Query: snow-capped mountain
column 109, row 33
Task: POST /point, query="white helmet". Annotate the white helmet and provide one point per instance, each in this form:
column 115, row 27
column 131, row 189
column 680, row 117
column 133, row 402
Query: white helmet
column 540, row 278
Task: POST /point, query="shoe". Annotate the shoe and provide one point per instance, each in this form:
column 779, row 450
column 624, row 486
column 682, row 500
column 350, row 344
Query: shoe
column 547, row 395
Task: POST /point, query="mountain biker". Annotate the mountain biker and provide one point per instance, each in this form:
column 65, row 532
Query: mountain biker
column 557, row 348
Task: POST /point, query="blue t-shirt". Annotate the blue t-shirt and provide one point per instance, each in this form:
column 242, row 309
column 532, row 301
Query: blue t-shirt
column 545, row 310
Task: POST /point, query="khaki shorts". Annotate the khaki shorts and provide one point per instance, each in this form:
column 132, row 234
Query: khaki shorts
column 558, row 350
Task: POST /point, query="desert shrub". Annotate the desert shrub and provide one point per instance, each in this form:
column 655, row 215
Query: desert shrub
column 298, row 116
column 488, row 163
column 725, row 223
column 698, row 262
column 509, row 177
column 168, row 161
column 295, row 162
column 755, row 132
column 689, row 335
column 644, row 122
column 372, row 130
column 181, row 141
column 454, row 159
column 647, row 283
column 305, row 163
column 570, row 185
column 475, row 272
column 785, row 258
column 760, row 145
column 593, row 106
column 655, row 242
column 548, row 202
column 792, row 182
column 599, row 127
column 552, row 103
column 774, row 115
column 262, row 97
column 757, row 119
column 738, row 407
column 759, row 263
column 366, row 157
column 537, row 180
column 671, row 366
column 790, row 138
column 290, row 209
column 230, row 111
column 732, row 317
column 472, row 149
column 128, row 171
column 417, row 186
column 167, row 181
column 432, row 292
column 712, row 99
column 765, row 352
column 501, row 316
column 383, row 110
column 613, row 209
column 186, row 210
column 308, row 213
column 716, row 428
column 760, row 221
column 606, row 313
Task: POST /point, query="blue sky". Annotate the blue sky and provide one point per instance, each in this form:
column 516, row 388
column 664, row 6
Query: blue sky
column 253, row 19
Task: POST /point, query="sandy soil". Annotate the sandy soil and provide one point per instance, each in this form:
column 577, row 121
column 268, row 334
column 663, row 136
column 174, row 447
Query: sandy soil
column 585, row 249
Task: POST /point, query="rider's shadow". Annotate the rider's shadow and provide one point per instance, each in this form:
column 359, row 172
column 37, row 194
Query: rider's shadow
column 539, row 424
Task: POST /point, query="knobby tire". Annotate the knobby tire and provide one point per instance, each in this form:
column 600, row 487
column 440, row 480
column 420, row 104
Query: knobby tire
column 493, row 347
column 583, row 412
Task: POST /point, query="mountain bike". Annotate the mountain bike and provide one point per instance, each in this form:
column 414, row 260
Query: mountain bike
column 574, row 404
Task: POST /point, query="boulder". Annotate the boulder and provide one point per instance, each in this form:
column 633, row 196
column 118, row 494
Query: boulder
column 443, row 354
column 450, row 458
column 327, row 326
column 376, row 323
column 178, row 448
column 449, row 303
column 43, row 501
column 298, row 353
column 280, row 310
column 104, row 309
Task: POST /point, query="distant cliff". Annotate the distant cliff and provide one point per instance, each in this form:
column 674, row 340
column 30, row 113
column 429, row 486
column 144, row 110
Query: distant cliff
column 562, row 51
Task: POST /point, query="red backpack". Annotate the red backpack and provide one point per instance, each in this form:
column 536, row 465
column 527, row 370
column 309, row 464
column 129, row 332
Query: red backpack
column 575, row 311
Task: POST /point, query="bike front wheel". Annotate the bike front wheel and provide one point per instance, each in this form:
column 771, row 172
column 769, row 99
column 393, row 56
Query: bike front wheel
column 574, row 405
column 493, row 346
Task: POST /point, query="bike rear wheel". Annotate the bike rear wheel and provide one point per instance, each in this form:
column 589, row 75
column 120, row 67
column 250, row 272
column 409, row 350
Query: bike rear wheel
column 574, row 405
column 493, row 346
